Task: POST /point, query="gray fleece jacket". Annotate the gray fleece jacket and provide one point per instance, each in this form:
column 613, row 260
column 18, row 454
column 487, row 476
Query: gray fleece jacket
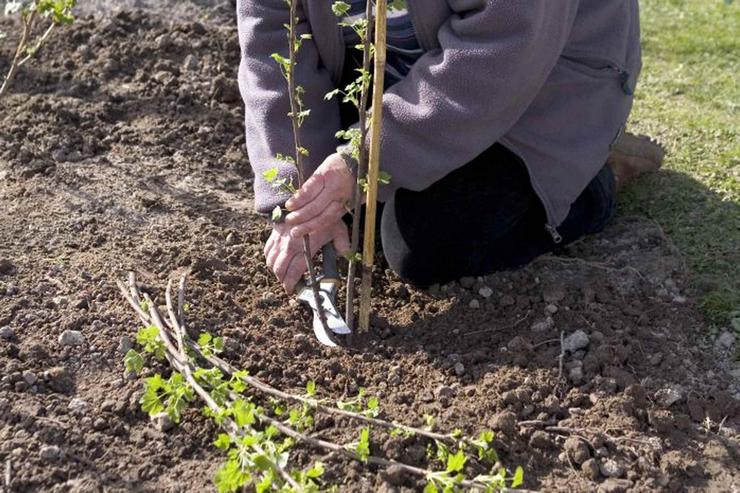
column 552, row 80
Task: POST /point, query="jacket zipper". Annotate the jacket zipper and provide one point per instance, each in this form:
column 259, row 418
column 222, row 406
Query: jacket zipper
column 624, row 75
column 556, row 238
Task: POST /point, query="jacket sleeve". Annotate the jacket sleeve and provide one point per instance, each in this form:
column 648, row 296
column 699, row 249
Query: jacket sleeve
column 459, row 99
column 265, row 93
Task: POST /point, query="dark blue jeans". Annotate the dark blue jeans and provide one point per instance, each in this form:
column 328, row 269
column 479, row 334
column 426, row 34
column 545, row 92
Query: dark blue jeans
column 482, row 218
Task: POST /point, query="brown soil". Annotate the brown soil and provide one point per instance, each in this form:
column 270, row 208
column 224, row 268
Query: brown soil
column 121, row 148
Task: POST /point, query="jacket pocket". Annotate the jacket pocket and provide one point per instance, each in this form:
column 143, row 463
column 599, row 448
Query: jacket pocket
column 600, row 68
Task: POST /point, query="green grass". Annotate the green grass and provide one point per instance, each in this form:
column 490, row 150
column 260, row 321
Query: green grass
column 689, row 98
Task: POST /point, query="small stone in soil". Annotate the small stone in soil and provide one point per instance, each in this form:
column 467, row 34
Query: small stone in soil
column 544, row 325
column 541, row 440
column 670, row 395
column 125, row 344
column 577, row 450
column 7, row 333
column 77, row 405
column 50, row 453
column 444, row 392
column 6, row 267
column 575, row 341
column 394, row 475
column 162, row 422
column 30, row 377
column 507, row 300
column 71, row 338
column 504, row 422
column 613, row 485
column 474, row 304
column 467, row 282
column 590, row 469
column 553, row 294
column 485, row 291
column 725, row 341
column 551, row 309
column 611, row 469
column 576, row 375
column 459, row 369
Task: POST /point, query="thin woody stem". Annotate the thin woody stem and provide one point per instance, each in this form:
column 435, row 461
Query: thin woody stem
column 294, row 119
column 28, row 24
column 361, row 167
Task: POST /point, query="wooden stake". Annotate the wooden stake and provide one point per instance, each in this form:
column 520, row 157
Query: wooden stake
column 368, row 251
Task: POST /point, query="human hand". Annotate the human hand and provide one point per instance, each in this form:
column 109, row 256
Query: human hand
column 284, row 252
column 321, row 200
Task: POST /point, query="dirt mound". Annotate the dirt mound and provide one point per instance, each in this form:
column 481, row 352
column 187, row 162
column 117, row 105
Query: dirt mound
column 122, row 148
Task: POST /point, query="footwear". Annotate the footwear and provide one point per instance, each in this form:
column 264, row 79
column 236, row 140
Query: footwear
column 632, row 155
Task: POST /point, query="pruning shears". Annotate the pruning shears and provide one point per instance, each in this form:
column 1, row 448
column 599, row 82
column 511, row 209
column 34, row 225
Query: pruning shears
column 328, row 285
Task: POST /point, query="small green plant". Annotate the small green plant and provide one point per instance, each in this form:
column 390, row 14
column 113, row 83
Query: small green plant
column 298, row 114
column 34, row 14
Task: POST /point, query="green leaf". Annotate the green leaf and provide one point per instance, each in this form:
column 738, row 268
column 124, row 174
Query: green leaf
column 151, row 401
column 277, row 214
column 285, row 62
column 384, row 178
column 431, row 488
column 373, row 407
column 148, row 337
column 518, row 477
column 218, row 344
column 340, row 8
column 223, row 442
column 230, row 477
column 311, row 388
column 316, row 471
column 243, row 413
column 204, row 339
column 362, row 449
column 456, row 462
column 271, row 174
column 133, row 361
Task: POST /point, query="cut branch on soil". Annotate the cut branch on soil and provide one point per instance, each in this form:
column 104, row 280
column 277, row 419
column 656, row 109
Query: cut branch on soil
column 181, row 353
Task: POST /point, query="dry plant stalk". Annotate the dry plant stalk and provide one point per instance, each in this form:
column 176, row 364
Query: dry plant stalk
column 371, row 201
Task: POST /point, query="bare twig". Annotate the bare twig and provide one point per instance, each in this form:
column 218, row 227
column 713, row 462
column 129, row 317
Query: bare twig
column 545, row 343
column 37, row 45
column 588, row 263
column 506, row 327
column 561, row 357
column 8, row 473
column 28, row 25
